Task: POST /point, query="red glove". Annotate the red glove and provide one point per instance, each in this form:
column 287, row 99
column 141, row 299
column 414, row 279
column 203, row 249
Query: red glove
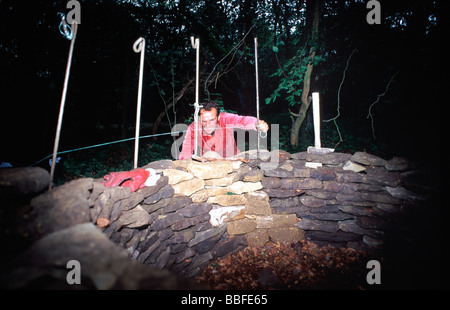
column 133, row 179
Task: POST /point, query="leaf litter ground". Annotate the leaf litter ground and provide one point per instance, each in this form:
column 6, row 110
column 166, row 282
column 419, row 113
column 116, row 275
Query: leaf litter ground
column 303, row 265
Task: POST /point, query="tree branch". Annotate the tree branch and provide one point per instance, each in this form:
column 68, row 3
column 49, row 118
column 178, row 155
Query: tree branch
column 339, row 100
column 376, row 101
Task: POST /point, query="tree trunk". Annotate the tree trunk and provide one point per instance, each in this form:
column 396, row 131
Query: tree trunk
column 305, row 101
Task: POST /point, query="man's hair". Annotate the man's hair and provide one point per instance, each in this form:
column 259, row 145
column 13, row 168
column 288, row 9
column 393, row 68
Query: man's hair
column 208, row 105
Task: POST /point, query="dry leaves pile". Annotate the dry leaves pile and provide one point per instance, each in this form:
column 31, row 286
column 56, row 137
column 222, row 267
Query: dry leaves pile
column 303, row 265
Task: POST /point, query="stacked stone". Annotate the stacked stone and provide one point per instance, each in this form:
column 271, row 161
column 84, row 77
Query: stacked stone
column 169, row 225
column 350, row 200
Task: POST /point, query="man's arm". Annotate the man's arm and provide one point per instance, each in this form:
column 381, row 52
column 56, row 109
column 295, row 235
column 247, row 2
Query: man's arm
column 243, row 122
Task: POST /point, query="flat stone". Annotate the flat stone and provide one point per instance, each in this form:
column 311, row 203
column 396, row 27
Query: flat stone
column 351, row 166
column 351, row 226
column 221, row 215
column 356, row 210
column 380, row 197
column 271, row 182
column 190, row 221
column 191, row 210
column 321, row 194
column 340, row 187
column 182, row 236
column 300, row 183
column 308, row 224
column 281, row 203
column 206, row 234
column 254, row 175
column 189, row 187
column 23, row 180
column 339, row 236
column 257, row 207
column 228, row 247
column 225, row 181
column 367, row 159
column 348, row 176
column 165, row 192
column 240, row 187
column 210, row 170
column 62, row 207
column 283, row 193
column 176, row 176
column 242, row 226
column 165, row 220
column 380, row 176
column 228, row 200
column 160, row 165
column 277, row 172
column 276, row 220
column 135, row 218
column 402, row 193
column 310, row 201
column 323, row 174
column 177, row 203
column 397, row 164
column 286, row 234
column 257, row 238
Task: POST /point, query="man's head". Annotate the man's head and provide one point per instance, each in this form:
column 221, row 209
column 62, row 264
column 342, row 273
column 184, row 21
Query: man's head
column 209, row 116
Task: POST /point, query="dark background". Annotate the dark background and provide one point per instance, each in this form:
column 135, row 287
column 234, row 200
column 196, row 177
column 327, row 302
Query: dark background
column 101, row 99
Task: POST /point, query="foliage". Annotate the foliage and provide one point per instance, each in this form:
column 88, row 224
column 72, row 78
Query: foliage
column 103, row 81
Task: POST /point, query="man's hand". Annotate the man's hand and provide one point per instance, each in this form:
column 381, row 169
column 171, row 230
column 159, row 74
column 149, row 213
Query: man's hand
column 263, row 126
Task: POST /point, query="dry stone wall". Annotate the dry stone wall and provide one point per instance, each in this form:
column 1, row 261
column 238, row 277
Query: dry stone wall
column 201, row 211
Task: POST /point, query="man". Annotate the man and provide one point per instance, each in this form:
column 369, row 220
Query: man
column 216, row 131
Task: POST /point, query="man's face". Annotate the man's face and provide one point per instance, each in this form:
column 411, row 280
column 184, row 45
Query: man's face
column 209, row 120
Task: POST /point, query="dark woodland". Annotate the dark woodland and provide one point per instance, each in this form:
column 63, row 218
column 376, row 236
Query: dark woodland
column 379, row 83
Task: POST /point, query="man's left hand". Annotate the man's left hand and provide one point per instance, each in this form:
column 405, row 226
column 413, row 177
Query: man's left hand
column 263, row 126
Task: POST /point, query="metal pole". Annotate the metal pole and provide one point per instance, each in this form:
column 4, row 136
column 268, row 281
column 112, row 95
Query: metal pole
column 139, row 47
column 196, row 45
column 63, row 101
column 257, row 89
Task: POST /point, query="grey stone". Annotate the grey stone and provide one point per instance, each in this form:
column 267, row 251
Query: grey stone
column 165, row 221
column 271, row 182
column 308, row 224
column 165, row 192
column 283, row 193
column 285, row 202
column 397, row 164
column 191, row 210
column 351, row 226
column 23, row 180
column 323, row 174
column 367, row 159
column 62, row 207
column 303, row 184
column 190, row 221
column 380, row 176
column 134, row 218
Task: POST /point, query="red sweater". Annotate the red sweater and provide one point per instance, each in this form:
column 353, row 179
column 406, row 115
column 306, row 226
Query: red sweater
column 222, row 141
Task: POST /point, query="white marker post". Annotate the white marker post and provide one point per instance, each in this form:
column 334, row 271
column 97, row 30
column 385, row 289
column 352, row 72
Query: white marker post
column 138, row 47
column 317, row 148
column 196, row 45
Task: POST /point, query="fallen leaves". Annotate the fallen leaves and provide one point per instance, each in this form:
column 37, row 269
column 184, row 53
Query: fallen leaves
column 303, row 265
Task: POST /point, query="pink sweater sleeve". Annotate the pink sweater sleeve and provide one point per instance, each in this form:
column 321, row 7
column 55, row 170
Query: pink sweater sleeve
column 237, row 121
